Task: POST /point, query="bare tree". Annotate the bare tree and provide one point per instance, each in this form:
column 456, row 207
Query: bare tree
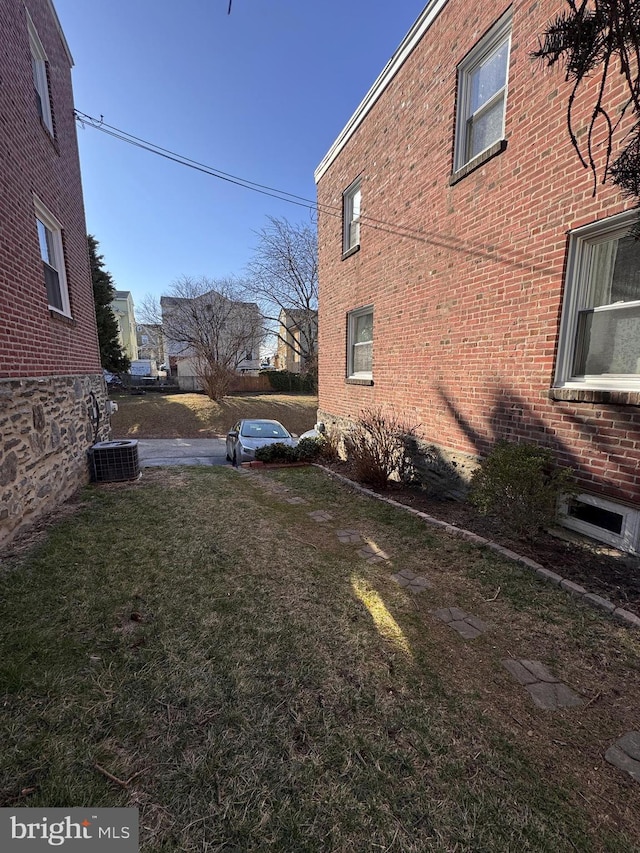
column 599, row 43
column 204, row 321
column 283, row 280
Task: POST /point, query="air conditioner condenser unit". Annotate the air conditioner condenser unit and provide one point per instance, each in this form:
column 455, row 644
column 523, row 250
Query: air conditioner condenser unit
column 114, row 461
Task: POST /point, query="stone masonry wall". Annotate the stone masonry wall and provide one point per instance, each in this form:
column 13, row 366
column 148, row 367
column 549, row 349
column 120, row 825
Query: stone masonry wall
column 440, row 470
column 45, row 430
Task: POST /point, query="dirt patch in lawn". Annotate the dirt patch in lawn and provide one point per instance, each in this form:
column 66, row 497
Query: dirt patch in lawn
column 601, row 570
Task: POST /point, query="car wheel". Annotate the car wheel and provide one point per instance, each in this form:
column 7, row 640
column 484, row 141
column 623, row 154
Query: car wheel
column 235, row 460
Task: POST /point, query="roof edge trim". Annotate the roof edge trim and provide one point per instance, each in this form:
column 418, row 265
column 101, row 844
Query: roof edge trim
column 65, row 44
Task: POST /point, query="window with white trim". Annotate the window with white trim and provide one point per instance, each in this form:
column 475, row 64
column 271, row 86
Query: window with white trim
column 40, row 77
column 351, row 217
column 52, row 254
column 599, row 343
column 482, row 94
column 360, row 343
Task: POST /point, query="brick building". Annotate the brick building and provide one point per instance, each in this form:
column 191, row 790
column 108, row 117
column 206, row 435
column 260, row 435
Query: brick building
column 51, row 386
column 473, row 282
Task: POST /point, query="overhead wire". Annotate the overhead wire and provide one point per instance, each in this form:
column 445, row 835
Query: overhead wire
column 282, row 195
column 438, row 240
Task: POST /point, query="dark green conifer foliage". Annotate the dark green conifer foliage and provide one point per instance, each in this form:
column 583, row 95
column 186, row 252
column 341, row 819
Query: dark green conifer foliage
column 112, row 357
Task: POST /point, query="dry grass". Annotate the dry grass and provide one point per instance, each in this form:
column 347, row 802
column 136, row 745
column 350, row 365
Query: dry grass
column 274, row 691
column 196, row 416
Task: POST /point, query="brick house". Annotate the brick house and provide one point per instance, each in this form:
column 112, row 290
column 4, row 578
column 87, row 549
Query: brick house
column 469, row 279
column 51, row 385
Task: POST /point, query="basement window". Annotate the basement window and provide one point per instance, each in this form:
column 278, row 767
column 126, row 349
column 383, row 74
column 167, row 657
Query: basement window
column 606, row 521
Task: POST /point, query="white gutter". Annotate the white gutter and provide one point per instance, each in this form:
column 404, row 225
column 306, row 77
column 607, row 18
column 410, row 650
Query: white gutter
column 426, row 18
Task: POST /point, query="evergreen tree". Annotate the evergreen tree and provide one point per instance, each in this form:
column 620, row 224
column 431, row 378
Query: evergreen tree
column 112, row 357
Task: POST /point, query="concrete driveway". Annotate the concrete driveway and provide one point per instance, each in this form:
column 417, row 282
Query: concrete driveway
column 181, row 451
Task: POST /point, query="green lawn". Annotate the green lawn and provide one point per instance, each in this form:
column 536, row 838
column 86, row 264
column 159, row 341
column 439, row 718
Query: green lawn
column 196, row 416
column 264, row 688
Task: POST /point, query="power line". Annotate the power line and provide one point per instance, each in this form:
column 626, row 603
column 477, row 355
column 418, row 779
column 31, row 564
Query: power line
column 394, row 228
column 282, row 195
column 397, row 229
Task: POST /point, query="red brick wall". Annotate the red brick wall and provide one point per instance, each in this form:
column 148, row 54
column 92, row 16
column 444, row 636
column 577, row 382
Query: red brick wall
column 33, row 340
column 467, row 280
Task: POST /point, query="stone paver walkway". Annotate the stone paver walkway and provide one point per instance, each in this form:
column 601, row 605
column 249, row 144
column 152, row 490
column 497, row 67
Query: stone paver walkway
column 411, row 581
column 372, row 554
column 320, row 516
column 547, row 691
column 349, row 537
column 465, row 624
column 625, row 754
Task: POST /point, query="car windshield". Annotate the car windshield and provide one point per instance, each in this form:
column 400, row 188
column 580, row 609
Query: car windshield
column 260, row 429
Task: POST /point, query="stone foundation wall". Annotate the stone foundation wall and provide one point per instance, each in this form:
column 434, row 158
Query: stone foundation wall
column 442, row 471
column 46, row 427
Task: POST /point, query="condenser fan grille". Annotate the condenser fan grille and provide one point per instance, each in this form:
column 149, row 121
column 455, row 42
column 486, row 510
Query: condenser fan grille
column 114, row 461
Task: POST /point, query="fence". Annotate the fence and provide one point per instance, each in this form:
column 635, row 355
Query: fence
column 268, row 381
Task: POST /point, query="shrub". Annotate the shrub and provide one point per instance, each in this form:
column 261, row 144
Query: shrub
column 380, row 447
column 286, row 381
column 310, row 449
column 521, row 484
column 277, row 452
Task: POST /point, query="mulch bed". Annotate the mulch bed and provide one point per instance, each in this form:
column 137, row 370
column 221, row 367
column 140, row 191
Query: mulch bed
column 612, row 574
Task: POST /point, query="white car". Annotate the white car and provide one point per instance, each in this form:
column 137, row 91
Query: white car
column 245, row 437
column 318, row 430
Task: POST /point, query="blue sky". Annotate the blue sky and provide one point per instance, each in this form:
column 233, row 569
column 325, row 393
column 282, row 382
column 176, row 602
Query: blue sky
column 261, row 93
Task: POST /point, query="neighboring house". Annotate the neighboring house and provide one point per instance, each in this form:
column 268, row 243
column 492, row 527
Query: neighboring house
column 228, row 331
column 297, row 340
column 122, row 307
column 52, row 392
column 475, row 284
column 150, row 342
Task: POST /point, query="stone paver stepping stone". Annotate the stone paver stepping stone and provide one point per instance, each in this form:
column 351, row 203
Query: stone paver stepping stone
column 373, row 554
column 465, row 624
column 414, row 583
column 529, row 671
column 550, row 696
column 625, row 754
column 320, row 515
column 296, row 501
column 547, row 691
column 349, row 537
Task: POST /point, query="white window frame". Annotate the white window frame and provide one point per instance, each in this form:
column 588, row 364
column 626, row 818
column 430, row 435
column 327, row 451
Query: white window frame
column 498, row 35
column 352, row 316
column 351, row 217
column 40, row 77
column 55, row 229
column 580, row 241
column 629, row 537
